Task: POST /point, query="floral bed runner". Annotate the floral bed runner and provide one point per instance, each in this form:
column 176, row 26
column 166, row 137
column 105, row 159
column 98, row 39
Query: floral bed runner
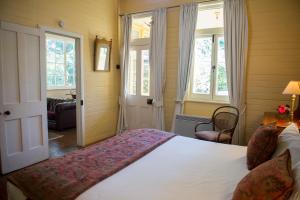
column 66, row 177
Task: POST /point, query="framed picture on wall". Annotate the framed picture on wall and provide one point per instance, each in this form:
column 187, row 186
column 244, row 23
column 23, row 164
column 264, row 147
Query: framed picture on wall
column 102, row 53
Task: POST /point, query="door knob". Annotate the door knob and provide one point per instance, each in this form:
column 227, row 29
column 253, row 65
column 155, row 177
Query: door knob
column 7, row 112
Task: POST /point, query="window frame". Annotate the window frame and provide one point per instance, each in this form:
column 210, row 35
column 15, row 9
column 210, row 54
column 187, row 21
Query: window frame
column 138, row 45
column 212, row 97
column 65, row 40
column 141, row 41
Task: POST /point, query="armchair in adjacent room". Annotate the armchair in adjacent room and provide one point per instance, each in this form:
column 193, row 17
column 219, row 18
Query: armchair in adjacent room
column 61, row 113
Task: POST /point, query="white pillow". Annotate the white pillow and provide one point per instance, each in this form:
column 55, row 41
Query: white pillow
column 296, row 191
column 289, row 138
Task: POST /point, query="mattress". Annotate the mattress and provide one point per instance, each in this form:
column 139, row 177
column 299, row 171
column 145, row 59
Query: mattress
column 182, row 168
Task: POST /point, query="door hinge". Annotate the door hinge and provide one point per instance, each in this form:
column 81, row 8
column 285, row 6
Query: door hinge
column 213, row 38
column 81, row 102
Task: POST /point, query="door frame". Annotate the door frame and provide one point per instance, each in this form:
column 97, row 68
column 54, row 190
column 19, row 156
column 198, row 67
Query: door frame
column 80, row 123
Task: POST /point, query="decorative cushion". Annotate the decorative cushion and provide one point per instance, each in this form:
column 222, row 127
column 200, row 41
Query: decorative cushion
column 261, row 145
column 270, row 180
column 212, row 136
column 289, row 138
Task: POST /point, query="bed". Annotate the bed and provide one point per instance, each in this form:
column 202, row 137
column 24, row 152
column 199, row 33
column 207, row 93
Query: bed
column 181, row 168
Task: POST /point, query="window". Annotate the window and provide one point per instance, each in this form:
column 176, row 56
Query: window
column 141, row 26
column 60, row 56
column 139, row 73
column 208, row 80
column 145, row 73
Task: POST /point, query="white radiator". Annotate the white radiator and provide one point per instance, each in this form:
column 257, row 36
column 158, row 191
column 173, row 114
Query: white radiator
column 185, row 125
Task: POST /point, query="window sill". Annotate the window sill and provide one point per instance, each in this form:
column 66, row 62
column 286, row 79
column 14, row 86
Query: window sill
column 61, row 89
column 207, row 101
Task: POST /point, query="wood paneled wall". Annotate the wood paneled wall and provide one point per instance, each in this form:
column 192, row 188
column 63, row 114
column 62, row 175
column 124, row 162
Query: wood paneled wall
column 273, row 57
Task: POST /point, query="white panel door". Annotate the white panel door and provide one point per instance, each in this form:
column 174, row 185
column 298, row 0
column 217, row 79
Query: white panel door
column 23, row 119
column 140, row 89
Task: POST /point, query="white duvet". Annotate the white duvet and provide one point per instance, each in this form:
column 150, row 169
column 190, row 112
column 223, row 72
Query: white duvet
column 182, row 168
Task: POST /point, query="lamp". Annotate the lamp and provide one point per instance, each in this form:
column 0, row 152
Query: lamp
column 292, row 88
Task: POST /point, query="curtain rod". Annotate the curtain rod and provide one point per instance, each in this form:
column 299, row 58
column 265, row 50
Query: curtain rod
column 169, row 7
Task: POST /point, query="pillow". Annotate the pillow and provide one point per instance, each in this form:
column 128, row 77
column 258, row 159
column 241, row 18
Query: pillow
column 289, row 139
column 270, row 180
column 296, row 174
column 261, row 145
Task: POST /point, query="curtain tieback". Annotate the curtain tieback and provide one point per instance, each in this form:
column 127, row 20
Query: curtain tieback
column 121, row 101
column 179, row 101
column 158, row 103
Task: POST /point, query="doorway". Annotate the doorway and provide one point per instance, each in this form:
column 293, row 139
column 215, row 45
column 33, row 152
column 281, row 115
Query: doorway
column 64, row 91
column 23, row 103
column 140, row 74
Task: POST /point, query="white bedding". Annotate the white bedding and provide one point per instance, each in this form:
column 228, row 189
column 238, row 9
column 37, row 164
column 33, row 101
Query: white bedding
column 182, row 168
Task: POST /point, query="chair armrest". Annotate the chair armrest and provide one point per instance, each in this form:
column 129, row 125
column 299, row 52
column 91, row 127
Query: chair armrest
column 201, row 123
column 222, row 132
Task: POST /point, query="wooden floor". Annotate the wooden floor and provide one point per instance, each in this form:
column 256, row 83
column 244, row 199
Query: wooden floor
column 65, row 142
column 62, row 145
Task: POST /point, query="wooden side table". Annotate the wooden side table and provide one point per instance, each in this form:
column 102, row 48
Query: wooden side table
column 272, row 117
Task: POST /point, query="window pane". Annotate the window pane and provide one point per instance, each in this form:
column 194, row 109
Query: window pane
column 50, row 68
column 50, row 50
column 70, row 71
column 145, row 75
column 70, row 81
column 221, row 87
column 213, row 17
column 70, row 48
column 141, row 27
column 59, row 56
column 50, row 80
column 70, row 64
column 70, row 53
column 60, row 61
column 202, row 66
column 60, row 80
column 60, row 69
column 132, row 73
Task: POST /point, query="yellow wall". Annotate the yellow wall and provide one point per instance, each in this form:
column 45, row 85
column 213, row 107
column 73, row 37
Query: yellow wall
column 273, row 59
column 88, row 18
column 274, row 55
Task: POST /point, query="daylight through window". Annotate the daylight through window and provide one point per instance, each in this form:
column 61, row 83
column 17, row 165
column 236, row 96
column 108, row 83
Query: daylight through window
column 208, row 76
column 60, row 62
column 139, row 73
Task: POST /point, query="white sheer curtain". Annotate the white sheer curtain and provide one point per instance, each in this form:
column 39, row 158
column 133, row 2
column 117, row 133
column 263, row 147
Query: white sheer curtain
column 187, row 26
column 236, row 46
column 157, row 62
column 126, row 33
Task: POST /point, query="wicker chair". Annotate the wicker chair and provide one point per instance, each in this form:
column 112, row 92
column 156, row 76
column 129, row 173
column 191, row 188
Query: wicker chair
column 223, row 121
